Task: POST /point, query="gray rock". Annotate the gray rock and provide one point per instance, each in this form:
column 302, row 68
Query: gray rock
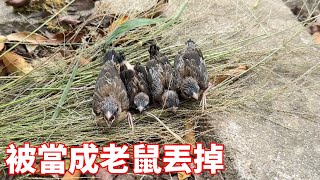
column 10, row 21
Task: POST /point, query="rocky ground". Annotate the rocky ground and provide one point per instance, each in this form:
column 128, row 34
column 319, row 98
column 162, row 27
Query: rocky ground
column 275, row 132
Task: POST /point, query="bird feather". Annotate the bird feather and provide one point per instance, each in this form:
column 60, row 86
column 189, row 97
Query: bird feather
column 109, row 84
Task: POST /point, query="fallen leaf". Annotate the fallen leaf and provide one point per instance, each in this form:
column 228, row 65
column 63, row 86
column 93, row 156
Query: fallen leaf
column 3, row 39
column 1, row 46
column 33, row 39
column 227, row 74
column 3, row 70
column 183, row 175
column 70, row 20
column 237, row 71
column 15, row 63
column 17, row 3
column 67, row 37
column 117, row 23
column 220, row 78
column 75, row 176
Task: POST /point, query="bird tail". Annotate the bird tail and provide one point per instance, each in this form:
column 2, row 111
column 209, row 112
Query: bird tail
column 154, row 50
column 190, row 43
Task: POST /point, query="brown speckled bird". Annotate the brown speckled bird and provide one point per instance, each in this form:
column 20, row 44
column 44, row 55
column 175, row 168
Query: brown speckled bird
column 191, row 73
column 110, row 98
column 136, row 81
column 160, row 77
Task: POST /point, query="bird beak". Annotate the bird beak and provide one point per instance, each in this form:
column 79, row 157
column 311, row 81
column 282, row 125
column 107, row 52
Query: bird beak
column 140, row 108
column 109, row 118
column 195, row 96
column 174, row 109
column 108, row 115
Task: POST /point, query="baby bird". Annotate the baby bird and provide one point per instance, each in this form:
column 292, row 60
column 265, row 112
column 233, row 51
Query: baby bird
column 160, row 77
column 191, row 73
column 136, row 82
column 110, row 98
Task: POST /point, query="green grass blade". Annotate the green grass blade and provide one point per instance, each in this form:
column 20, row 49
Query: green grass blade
column 65, row 92
column 130, row 25
column 174, row 18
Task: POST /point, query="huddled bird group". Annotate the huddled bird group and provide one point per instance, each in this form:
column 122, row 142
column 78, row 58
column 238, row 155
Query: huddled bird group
column 121, row 86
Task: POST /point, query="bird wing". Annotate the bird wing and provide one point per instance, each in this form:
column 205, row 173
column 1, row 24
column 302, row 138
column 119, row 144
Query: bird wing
column 96, row 103
column 142, row 76
column 200, row 69
column 130, row 81
column 179, row 69
column 155, row 78
column 168, row 77
column 194, row 66
column 108, row 84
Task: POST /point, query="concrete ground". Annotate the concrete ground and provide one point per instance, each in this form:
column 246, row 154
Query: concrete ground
column 274, row 132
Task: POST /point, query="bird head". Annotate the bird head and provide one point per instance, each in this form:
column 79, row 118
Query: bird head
column 110, row 110
column 154, row 50
column 190, row 44
column 190, row 88
column 141, row 101
column 120, row 57
column 170, row 100
column 113, row 55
